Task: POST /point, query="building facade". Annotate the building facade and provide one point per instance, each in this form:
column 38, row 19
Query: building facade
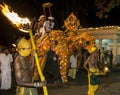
column 107, row 37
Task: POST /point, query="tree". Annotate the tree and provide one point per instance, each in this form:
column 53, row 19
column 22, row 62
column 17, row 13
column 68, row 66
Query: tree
column 105, row 6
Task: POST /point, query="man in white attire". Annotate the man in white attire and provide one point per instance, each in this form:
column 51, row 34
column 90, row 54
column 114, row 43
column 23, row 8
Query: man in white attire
column 49, row 24
column 6, row 60
column 73, row 65
column 0, row 65
column 39, row 27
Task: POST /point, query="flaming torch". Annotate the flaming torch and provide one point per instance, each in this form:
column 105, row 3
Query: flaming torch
column 23, row 24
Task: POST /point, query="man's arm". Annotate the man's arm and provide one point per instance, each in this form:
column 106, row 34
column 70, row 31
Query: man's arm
column 87, row 63
column 32, row 59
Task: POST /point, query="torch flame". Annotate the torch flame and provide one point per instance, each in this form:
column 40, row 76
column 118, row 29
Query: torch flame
column 14, row 17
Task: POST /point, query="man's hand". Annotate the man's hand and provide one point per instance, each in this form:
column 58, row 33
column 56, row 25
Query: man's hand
column 40, row 84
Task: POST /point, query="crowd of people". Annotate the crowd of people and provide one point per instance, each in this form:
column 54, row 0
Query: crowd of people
column 106, row 57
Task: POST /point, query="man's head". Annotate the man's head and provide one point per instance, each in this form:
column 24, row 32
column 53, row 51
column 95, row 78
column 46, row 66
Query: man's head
column 94, row 48
column 24, row 47
column 42, row 17
column 6, row 50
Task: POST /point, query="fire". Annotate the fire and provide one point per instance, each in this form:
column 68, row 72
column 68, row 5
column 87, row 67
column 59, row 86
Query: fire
column 14, row 17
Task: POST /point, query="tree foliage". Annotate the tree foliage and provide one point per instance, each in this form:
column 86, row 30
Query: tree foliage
column 105, row 6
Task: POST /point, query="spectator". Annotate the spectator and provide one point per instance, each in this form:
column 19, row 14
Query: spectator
column 102, row 56
column 111, row 58
column 73, row 66
column 6, row 60
column 0, row 65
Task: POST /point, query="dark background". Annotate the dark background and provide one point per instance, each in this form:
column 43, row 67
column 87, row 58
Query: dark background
column 85, row 10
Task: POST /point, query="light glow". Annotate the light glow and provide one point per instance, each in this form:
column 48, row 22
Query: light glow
column 14, row 17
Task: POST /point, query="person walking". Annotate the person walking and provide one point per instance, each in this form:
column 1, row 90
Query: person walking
column 91, row 66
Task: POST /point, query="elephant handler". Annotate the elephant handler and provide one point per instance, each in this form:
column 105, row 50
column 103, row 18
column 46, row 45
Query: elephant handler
column 24, row 67
column 91, row 66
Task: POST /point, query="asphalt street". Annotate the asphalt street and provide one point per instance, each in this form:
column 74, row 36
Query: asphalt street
column 110, row 85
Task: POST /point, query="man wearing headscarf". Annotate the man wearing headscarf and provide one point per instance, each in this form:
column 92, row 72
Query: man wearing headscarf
column 39, row 27
column 49, row 24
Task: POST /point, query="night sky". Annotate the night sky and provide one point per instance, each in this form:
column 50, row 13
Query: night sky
column 85, row 10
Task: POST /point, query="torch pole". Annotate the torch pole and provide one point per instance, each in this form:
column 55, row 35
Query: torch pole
column 37, row 62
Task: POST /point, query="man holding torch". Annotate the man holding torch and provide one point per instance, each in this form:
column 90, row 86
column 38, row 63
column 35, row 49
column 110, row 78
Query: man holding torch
column 24, row 67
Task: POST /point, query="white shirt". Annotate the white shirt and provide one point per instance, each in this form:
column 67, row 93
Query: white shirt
column 5, row 61
column 49, row 25
column 73, row 61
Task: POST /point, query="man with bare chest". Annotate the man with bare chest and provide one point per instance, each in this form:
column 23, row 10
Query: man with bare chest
column 24, row 67
column 91, row 66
